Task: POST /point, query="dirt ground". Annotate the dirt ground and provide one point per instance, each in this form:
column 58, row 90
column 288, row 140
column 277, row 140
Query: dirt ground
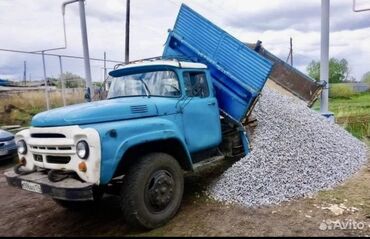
column 29, row 214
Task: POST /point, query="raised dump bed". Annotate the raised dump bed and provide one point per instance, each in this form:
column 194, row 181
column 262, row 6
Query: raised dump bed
column 291, row 79
column 238, row 73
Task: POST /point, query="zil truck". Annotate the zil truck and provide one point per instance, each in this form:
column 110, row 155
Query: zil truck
column 162, row 117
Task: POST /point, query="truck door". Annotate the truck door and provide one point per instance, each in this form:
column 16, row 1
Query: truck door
column 200, row 112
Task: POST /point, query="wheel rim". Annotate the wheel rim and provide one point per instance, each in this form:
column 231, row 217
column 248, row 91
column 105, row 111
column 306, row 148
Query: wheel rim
column 159, row 191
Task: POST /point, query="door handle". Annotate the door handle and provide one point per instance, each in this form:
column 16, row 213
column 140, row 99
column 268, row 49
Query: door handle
column 211, row 103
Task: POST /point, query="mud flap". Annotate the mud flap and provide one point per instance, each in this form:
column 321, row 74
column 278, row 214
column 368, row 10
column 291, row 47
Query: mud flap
column 245, row 141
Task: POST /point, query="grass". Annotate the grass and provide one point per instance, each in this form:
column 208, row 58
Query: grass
column 341, row 90
column 352, row 112
column 24, row 105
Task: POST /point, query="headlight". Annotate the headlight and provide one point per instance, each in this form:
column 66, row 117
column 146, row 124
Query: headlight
column 82, row 149
column 22, row 147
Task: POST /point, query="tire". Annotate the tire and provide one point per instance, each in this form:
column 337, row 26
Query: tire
column 152, row 191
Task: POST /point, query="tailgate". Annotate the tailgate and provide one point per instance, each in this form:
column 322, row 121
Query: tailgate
column 291, row 79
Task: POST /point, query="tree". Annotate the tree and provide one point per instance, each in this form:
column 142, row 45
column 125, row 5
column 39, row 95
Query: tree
column 366, row 77
column 72, row 80
column 338, row 70
column 313, row 70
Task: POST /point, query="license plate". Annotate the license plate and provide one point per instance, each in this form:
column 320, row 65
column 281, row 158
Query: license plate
column 33, row 187
column 3, row 152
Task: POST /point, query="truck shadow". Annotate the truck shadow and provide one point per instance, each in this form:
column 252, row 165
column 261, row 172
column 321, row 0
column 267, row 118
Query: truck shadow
column 106, row 218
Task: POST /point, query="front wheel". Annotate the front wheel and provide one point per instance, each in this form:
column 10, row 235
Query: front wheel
column 152, row 191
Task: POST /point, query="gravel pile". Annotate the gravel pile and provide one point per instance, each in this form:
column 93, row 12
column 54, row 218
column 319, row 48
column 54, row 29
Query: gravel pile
column 295, row 152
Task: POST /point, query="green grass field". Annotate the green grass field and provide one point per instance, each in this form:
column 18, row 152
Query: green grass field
column 352, row 112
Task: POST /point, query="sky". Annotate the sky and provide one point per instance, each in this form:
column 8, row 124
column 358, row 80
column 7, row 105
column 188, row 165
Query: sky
column 31, row 25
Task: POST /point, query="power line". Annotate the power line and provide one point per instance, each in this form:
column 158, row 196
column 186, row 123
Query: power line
column 50, row 54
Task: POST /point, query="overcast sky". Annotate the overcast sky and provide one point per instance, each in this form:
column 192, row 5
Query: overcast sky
column 32, row 25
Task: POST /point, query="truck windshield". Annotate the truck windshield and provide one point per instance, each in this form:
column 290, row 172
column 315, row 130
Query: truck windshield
column 155, row 83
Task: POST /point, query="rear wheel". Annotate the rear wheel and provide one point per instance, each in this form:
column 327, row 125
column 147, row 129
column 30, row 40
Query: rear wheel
column 152, row 191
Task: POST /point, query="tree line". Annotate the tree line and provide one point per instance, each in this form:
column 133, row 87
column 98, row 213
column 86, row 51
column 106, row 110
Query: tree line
column 339, row 71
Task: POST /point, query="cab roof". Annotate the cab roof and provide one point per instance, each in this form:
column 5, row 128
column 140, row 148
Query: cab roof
column 136, row 66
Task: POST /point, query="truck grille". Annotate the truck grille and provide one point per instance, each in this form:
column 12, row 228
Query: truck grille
column 37, row 157
column 52, row 147
column 58, row 159
column 47, row 135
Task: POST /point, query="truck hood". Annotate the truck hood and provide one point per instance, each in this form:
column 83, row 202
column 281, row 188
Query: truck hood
column 95, row 112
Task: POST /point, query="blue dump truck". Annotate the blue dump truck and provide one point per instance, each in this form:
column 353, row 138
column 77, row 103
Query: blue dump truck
column 162, row 116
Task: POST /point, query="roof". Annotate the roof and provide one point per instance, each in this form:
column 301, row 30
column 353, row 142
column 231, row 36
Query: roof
column 132, row 67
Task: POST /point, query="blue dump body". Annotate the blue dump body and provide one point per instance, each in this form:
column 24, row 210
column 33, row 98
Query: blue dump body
column 238, row 73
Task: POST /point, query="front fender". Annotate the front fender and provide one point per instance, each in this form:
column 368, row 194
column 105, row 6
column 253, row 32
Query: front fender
column 146, row 138
column 133, row 132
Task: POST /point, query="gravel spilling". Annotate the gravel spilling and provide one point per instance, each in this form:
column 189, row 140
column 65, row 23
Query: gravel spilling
column 295, row 152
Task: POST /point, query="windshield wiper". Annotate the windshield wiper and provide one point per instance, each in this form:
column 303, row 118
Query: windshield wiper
column 115, row 97
column 124, row 96
column 147, row 91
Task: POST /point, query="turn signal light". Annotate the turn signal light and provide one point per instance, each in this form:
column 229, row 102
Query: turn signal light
column 82, row 167
column 23, row 161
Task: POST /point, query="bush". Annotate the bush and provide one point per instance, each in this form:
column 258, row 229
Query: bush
column 340, row 91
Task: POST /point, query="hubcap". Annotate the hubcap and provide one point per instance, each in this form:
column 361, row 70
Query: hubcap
column 159, row 190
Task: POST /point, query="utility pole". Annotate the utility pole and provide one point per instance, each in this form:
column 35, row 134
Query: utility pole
column 105, row 66
column 24, row 72
column 324, row 59
column 290, row 55
column 46, row 82
column 127, row 35
column 85, row 46
column 62, row 80
column 291, row 51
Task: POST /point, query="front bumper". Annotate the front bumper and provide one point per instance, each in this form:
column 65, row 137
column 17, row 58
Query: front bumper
column 69, row 189
column 55, row 148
